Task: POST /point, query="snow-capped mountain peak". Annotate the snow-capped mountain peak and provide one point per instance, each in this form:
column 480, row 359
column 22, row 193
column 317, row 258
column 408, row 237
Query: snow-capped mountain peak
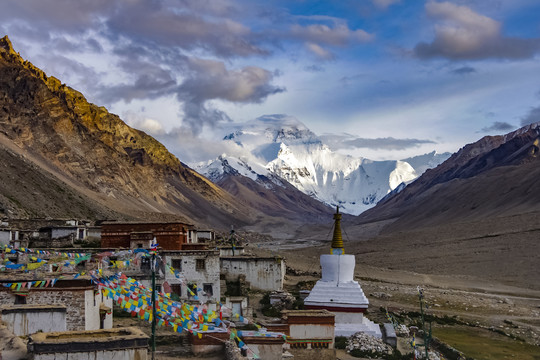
column 281, row 146
column 228, row 165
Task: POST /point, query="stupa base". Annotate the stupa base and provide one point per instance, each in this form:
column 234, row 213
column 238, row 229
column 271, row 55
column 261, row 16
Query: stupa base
column 366, row 326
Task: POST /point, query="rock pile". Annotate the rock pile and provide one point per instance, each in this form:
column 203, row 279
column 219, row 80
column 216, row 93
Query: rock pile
column 364, row 342
column 402, row 330
column 281, row 299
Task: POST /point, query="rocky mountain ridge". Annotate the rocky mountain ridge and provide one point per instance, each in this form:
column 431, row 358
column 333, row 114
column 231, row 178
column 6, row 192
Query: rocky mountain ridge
column 96, row 153
column 495, row 176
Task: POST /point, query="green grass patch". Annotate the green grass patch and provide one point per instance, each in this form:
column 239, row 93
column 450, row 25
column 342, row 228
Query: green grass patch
column 482, row 344
column 340, row 342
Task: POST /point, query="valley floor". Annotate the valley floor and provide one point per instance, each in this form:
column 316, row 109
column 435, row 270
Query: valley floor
column 475, row 312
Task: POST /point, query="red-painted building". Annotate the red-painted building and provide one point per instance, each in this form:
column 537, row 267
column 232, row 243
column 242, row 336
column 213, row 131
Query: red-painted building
column 169, row 235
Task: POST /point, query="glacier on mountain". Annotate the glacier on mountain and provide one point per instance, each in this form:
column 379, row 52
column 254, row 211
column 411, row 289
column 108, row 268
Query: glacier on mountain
column 284, row 147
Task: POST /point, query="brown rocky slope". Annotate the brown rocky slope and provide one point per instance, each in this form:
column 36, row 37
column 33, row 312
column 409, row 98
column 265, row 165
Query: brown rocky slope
column 94, row 153
column 496, row 176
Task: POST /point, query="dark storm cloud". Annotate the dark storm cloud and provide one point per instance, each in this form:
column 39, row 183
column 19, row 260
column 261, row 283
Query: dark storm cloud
column 465, row 34
column 150, row 81
column 210, row 80
column 532, row 117
column 464, row 70
column 63, row 45
column 67, row 15
column 349, row 142
column 159, row 48
column 94, row 45
column 499, row 126
column 64, row 67
column 154, row 22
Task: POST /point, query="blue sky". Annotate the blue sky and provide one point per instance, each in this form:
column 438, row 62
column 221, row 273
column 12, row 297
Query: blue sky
column 393, row 78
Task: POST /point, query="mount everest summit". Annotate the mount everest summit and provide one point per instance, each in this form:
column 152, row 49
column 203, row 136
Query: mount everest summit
column 277, row 149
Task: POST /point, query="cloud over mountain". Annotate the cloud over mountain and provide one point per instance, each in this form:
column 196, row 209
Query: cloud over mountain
column 532, row 116
column 465, row 34
column 346, row 141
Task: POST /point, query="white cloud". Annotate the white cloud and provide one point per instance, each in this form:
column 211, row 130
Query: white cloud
column 339, row 35
column 384, row 4
column 465, row 34
column 319, row 51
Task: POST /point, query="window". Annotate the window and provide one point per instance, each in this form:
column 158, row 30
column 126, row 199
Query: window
column 200, row 265
column 176, row 289
column 20, row 299
column 193, row 288
column 176, row 264
column 208, row 290
column 140, row 245
column 145, row 264
column 237, row 308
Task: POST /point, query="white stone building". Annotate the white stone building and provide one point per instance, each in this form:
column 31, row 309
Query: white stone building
column 24, row 320
column 86, row 308
column 264, row 273
column 199, row 270
column 118, row 344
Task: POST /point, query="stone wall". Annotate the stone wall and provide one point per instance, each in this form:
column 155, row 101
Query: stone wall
column 311, row 354
column 28, row 319
column 261, row 273
column 118, row 344
column 191, row 273
column 82, row 306
column 123, row 354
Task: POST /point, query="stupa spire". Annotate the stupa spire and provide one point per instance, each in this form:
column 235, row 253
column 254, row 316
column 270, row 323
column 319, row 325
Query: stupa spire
column 337, row 239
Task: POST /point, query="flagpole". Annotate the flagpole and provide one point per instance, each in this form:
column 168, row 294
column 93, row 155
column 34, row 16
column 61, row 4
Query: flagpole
column 153, row 302
column 427, row 337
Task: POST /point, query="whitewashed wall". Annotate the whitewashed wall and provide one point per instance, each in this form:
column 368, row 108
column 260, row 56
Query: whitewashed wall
column 124, row 354
column 91, row 310
column 261, row 273
column 190, row 274
column 25, row 321
column 311, row 331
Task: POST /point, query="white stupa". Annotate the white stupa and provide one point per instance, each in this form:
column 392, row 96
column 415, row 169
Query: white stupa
column 339, row 293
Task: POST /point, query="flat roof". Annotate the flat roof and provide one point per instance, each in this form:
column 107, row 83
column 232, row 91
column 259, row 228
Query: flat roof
column 88, row 341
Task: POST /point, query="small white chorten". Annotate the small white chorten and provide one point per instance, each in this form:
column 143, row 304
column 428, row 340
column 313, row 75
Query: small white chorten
column 339, row 293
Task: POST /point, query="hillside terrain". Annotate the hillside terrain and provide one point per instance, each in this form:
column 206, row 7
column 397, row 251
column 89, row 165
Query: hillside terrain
column 95, row 166
column 475, row 215
column 96, row 153
column 495, row 176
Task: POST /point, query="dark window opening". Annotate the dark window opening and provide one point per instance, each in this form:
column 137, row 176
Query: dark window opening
column 145, row 264
column 208, row 290
column 176, row 264
column 20, row 299
column 200, row 265
column 176, row 289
